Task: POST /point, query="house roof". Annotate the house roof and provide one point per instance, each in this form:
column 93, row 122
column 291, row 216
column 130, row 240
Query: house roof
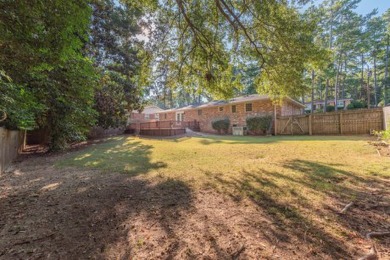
column 241, row 99
column 150, row 110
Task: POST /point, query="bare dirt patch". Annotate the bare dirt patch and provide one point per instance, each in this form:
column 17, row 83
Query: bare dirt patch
column 383, row 148
column 69, row 213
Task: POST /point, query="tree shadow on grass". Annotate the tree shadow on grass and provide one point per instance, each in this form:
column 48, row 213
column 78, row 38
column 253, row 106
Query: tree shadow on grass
column 288, row 223
column 79, row 214
column 123, row 155
column 370, row 195
column 286, row 201
column 209, row 140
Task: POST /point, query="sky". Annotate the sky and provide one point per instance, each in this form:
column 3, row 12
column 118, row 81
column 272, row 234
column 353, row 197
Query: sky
column 367, row 6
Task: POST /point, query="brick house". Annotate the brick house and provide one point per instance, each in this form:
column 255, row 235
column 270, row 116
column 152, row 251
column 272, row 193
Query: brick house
column 236, row 109
column 149, row 113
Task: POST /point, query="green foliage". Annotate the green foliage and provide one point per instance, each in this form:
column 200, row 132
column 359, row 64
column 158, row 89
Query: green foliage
column 69, row 94
column 356, row 104
column 259, row 124
column 383, row 135
column 42, row 52
column 356, row 44
column 120, row 57
column 221, row 125
column 330, row 108
column 203, row 44
column 18, row 103
column 110, row 101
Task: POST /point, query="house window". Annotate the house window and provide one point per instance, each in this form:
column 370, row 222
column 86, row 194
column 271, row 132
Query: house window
column 157, row 116
column 220, row 109
column 180, row 116
column 199, row 112
column 248, row 107
column 340, row 103
column 234, row 109
column 165, row 116
column 147, row 116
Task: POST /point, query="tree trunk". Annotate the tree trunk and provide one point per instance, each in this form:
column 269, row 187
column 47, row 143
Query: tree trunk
column 312, row 91
column 330, row 48
column 386, row 71
column 326, row 94
column 170, row 97
column 368, row 91
column 165, row 97
column 344, row 78
column 375, row 86
column 362, row 78
column 336, row 83
column 331, row 27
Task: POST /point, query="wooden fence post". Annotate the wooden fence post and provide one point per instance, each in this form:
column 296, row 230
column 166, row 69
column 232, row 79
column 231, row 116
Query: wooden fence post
column 310, row 127
column 276, row 126
column 24, row 140
column 340, row 121
column 276, row 122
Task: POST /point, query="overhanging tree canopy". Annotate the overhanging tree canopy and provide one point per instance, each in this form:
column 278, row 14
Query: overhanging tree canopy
column 211, row 39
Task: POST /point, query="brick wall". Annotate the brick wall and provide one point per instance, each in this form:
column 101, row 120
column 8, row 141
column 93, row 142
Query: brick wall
column 168, row 116
column 139, row 117
column 208, row 114
column 238, row 118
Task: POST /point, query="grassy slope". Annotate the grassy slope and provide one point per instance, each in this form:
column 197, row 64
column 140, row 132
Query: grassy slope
column 296, row 180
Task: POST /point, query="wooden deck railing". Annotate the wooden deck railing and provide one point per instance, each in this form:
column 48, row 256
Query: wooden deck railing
column 165, row 125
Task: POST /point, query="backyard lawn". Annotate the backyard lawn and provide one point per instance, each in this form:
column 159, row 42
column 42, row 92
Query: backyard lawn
column 199, row 197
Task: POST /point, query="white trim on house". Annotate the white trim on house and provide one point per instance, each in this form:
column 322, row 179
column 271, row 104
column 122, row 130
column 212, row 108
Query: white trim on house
column 248, row 103
column 179, row 116
column 233, row 101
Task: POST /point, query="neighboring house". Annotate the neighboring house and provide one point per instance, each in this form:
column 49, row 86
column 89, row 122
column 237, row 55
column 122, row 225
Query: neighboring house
column 149, row 113
column 237, row 109
column 319, row 104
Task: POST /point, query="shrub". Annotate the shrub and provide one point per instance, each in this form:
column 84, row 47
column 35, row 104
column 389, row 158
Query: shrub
column 355, row 104
column 383, row 135
column 221, row 124
column 259, row 124
column 330, row 108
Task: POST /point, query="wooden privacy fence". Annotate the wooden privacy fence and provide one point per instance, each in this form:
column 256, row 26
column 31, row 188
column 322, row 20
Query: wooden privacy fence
column 11, row 143
column 386, row 117
column 331, row 123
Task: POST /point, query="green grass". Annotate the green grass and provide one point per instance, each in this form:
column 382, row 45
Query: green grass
column 301, row 158
column 293, row 178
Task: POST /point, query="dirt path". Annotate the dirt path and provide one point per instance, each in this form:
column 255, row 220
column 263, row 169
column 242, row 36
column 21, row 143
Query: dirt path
column 51, row 213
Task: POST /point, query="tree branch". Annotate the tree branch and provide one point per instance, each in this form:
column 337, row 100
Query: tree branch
column 237, row 20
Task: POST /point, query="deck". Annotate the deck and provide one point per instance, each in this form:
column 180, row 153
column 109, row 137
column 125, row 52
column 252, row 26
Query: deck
column 163, row 128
